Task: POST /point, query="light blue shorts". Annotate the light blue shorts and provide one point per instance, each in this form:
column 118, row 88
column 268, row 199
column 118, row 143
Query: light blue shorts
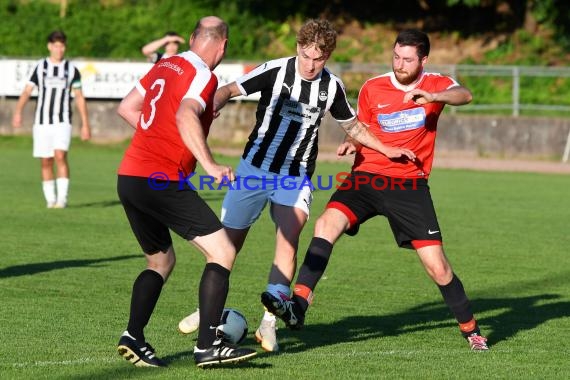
column 254, row 188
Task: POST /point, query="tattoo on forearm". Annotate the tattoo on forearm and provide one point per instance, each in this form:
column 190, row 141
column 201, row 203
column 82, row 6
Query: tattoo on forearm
column 349, row 127
column 353, row 129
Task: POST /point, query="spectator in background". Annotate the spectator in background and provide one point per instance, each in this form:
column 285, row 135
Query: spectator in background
column 56, row 79
column 170, row 43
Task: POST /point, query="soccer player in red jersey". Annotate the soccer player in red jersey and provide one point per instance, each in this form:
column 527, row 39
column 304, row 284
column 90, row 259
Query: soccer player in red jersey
column 401, row 108
column 171, row 109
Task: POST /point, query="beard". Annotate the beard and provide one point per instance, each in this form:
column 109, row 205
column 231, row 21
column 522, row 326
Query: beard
column 405, row 77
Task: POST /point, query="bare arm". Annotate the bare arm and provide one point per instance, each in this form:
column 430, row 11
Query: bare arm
column 223, row 94
column 22, row 100
column 130, row 107
column 192, row 133
column 153, row 46
column 455, row 96
column 348, row 146
column 82, row 107
column 359, row 133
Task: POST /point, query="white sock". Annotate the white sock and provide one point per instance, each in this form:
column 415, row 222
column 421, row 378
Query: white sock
column 49, row 191
column 62, row 189
column 275, row 289
column 268, row 316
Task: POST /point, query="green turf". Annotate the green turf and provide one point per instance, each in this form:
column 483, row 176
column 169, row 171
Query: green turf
column 66, row 276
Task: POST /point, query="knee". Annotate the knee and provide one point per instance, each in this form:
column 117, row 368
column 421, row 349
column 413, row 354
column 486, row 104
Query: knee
column 163, row 266
column 171, row 262
column 331, row 225
column 167, row 267
column 47, row 162
column 60, row 156
column 322, row 224
column 441, row 273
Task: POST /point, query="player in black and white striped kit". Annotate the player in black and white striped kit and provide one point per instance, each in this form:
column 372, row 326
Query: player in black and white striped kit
column 284, row 139
column 280, row 156
column 55, row 79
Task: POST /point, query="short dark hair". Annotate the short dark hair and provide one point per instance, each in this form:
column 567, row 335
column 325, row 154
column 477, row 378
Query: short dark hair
column 57, row 36
column 416, row 38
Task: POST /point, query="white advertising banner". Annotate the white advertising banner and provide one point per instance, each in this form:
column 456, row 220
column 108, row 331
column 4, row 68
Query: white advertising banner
column 100, row 79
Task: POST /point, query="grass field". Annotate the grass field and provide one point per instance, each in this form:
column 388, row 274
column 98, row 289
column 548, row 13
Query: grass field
column 66, row 277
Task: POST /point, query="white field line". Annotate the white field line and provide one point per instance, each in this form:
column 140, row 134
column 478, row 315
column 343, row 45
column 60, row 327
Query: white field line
column 410, row 353
column 49, row 363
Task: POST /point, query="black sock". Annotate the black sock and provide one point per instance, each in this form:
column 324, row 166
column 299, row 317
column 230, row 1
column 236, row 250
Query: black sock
column 146, row 290
column 212, row 295
column 314, row 265
column 457, row 301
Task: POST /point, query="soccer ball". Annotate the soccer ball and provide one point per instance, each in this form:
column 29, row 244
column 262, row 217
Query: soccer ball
column 234, row 326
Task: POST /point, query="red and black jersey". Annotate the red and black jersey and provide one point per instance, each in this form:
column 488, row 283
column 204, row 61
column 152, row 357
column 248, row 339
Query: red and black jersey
column 395, row 123
column 157, row 145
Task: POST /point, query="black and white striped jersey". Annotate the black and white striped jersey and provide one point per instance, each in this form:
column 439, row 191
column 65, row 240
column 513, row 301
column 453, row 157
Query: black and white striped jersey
column 285, row 137
column 54, row 82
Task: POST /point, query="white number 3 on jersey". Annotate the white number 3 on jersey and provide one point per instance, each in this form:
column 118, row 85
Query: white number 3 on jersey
column 161, row 83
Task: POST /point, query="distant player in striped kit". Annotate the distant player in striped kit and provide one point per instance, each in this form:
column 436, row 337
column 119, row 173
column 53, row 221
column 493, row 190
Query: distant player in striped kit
column 280, row 156
column 56, row 78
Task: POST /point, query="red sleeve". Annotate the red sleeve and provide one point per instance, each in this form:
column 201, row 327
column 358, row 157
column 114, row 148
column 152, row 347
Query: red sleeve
column 363, row 110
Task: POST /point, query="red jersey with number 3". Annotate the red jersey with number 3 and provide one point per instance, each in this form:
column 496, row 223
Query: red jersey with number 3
column 157, row 146
column 398, row 124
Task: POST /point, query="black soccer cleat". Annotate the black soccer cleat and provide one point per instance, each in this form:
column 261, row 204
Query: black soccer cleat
column 221, row 353
column 286, row 309
column 140, row 354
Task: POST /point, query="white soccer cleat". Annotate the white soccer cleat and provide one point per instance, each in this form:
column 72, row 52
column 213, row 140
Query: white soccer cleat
column 190, row 324
column 477, row 342
column 266, row 335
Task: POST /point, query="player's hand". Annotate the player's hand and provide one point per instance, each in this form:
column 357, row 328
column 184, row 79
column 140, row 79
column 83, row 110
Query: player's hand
column 216, row 113
column 17, row 120
column 85, row 133
column 178, row 39
column 347, row 148
column 222, row 173
column 419, row 96
column 393, row 152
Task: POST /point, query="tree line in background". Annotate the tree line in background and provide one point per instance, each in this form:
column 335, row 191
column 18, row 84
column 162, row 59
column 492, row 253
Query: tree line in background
column 263, row 29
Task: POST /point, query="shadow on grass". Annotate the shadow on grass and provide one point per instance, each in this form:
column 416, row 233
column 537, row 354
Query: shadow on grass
column 96, row 204
column 34, row 268
column 207, row 196
column 514, row 315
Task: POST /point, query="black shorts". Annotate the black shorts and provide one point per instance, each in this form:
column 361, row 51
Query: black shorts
column 406, row 203
column 152, row 212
